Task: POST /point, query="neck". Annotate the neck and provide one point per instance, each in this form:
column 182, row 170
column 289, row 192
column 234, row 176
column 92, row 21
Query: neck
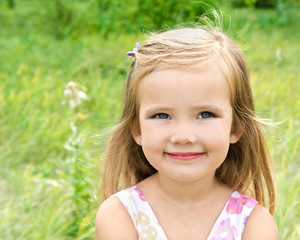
column 190, row 192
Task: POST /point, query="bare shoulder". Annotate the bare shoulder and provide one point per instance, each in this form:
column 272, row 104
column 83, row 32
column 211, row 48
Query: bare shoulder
column 260, row 225
column 113, row 221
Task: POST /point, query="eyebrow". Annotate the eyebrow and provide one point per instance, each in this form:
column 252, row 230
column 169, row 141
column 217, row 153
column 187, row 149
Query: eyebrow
column 204, row 107
column 209, row 107
column 156, row 109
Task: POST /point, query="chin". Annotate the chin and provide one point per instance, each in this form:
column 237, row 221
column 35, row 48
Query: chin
column 187, row 178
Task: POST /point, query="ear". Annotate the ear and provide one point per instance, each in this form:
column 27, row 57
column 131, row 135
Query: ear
column 136, row 133
column 236, row 135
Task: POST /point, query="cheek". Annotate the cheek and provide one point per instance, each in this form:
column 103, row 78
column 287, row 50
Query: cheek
column 215, row 135
column 148, row 134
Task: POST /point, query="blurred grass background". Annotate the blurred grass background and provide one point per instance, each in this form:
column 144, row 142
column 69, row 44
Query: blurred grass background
column 49, row 150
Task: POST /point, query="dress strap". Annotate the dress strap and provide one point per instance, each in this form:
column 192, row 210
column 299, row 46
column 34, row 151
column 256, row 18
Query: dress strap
column 231, row 222
column 143, row 217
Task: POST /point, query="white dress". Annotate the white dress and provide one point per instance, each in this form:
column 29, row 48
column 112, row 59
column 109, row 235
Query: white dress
column 229, row 225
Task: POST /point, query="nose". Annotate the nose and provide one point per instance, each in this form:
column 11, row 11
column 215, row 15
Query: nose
column 183, row 135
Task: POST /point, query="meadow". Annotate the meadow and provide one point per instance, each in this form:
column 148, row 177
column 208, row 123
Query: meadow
column 61, row 90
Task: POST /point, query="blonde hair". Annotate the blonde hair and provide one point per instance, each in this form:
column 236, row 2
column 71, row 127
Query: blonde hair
column 247, row 165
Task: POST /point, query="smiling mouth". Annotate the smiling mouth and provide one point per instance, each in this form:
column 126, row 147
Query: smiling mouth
column 185, row 155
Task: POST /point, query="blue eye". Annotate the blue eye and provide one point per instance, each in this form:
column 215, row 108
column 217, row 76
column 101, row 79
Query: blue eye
column 206, row 115
column 161, row 116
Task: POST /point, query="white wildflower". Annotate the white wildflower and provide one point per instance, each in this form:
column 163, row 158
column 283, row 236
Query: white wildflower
column 82, row 95
column 52, row 182
column 73, row 140
column 67, row 92
column 278, row 54
column 71, row 84
column 74, row 94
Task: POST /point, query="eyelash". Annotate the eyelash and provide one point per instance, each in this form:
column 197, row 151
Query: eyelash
column 211, row 115
column 159, row 116
column 167, row 116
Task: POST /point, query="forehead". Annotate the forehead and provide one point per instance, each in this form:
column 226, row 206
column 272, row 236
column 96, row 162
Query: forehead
column 185, row 87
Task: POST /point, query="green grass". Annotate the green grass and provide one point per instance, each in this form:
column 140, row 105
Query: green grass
column 48, row 191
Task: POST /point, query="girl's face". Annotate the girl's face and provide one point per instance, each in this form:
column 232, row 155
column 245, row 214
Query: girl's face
column 185, row 122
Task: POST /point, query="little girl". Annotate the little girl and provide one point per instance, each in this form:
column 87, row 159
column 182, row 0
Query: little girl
column 189, row 150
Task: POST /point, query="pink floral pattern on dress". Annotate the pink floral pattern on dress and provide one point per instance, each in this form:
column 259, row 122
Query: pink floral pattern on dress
column 237, row 201
column 141, row 196
column 224, row 231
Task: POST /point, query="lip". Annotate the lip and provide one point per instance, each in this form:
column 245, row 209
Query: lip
column 184, row 156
